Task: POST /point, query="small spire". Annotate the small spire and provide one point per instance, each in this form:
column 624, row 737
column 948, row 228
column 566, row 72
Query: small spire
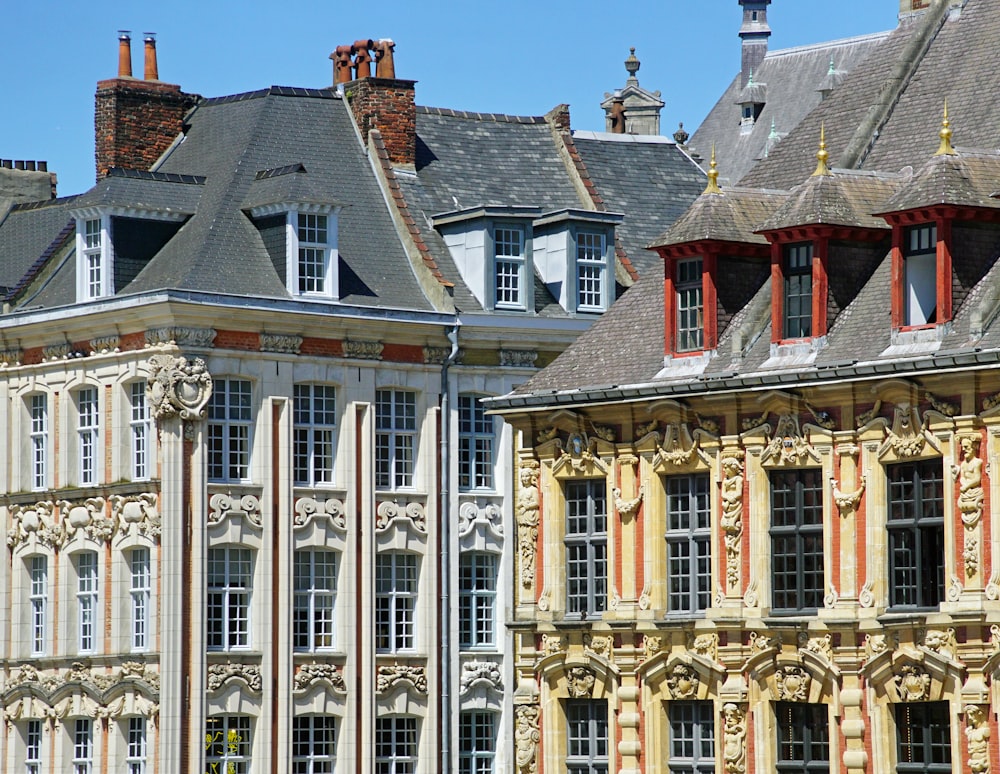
column 750, row 78
column 822, row 157
column 713, row 176
column 832, row 70
column 946, row 148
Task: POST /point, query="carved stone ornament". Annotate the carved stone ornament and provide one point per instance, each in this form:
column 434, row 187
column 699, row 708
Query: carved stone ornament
column 945, row 407
column 977, row 736
column 135, row 514
column 906, row 437
column 52, row 700
column 599, row 644
column 993, row 586
column 518, row 358
column 751, row 598
column 706, row 645
column 954, row 592
column 11, row 357
column 86, row 517
column 470, row 514
column 761, row 642
column 224, row 505
column 278, row 342
column 307, row 508
column 627, row 508
column 363, row 350
column 732, row 515
column 847, row 502
column 198, row 338
column 788, row 447
column 641, row 431
column 526, row 513
column 651, row 645
column 387, row 676
column 580, row 682
column 176, row 386
column 57, row 352
column 104, row 345
column 678, row 447
column 388, row 511
column 876, row 643
column 822, row 646
column 940, row 641
column 683, row 682
column 969, row 472
column 606, row 434
column 792, row 682
column 526, row 738
column 551, row 644
column 734, row 735
column 912, row 683
column 220, row 674
column 970, row 556
column 36, row 521
column 831, row 597
column 310, row 674
column 440, row 355
column 480, row 671
column 867, row 596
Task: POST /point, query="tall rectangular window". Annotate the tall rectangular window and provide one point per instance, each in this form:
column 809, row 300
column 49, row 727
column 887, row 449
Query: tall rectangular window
column 230, row 586
column 590, row 271
column 692, row 737
column 586, row 737
column 86, row 600
column 477, row 589
column 315, row 597
column 923, row 738
column 396, row 741
column 86, row 428
column 229, row 421
column 39, row 441
column 797, row 272
column 395, row 601
column 33, row 747
column 314, row 744
column 586, row 543
column 139, row 431
column 139, row 591
column 477, row 739
column 689, row 543
column 395, row 438
column 803, row 737
column 93, row 259
column 135, row 754
column 38, row 568
column 228, row 745
column 508, row 250
column 916, row 533
column 314, row 254
column 475, row 444
column 315, row 426
column 920, row 274
column 83, row 746
column 690, row 305
column 797, row 539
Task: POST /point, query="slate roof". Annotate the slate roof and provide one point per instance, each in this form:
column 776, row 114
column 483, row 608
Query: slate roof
column 842, row 198
column 734, row 215
column 967, row 178
column 137, row 189
column 27, row 233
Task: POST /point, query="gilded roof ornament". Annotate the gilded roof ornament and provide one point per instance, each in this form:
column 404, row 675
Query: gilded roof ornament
column 822, row 157
column 946, row 148
column 713, row 176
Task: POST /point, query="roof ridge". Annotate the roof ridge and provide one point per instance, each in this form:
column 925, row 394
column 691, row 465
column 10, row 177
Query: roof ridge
column 162, row 177
column 839, row 43
column 22, row 206
column 472, row 115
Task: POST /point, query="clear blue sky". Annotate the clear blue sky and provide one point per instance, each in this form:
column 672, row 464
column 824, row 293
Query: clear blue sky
column 505, row 56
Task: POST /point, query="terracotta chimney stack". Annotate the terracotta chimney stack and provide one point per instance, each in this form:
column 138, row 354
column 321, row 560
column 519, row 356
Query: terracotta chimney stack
column 385, row 67
column 387, row 104
column 362, row 58
column 618, row 114
column 341, row 57
column 150, row 72
column 124, row 54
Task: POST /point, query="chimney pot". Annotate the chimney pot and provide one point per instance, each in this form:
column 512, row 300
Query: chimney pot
column 341, row 57
column 6, row 163
column 385, row 67
column 18, row 165
column 362, row 58
column 43, row 166
column 124, row 54
column 150, row 72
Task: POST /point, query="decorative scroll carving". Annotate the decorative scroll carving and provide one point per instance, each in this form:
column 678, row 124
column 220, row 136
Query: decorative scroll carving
column 678, row 447
column 527, row 521
column 363, row 350
column 683, row 682
column 310, row 674
column 388, row 511
column 954, row 592
column 993, row 586
column 220, row 674
column 627, row 508
column 831, row 597
column 87, row 516
column 846, row 502
column 761, row 642
column 469, row 513
column 645, row 598
column 599, row 644
column 706, row 645
column 793, row 683
column 734, row 734
column 526, row 738
column 822, row 418
column 199, row 338
column 223, row 505
column 867, row 596
column 912, row 683
column 103, row 345
column 906, row 437
column 750, row 599
column 307, row 508
column 788, row 447
column 278, row 342
column 991, row 401
column 945, row 407
column 477, row 671
column 135, row 514
column 176, row 386
column 977, row 735
column 546, row 434
column 641, row 431
column 732, row 515
column 876, row 643
column 518, row 358
column 869, row 416
column 28, row 520
column 580, row 682
column 970, row 481
column 387, row 676
column 707, row 424
column 822, row 646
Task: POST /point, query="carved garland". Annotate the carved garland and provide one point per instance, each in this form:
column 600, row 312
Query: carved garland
column 388, row 676
column 310, row 674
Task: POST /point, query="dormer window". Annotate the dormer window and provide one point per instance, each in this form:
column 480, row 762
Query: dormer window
column 93, row 249
column 920, row 274
column 591, row 272
column 797, row 282
column 508, row 267
column 312, row 253
column 690, row 305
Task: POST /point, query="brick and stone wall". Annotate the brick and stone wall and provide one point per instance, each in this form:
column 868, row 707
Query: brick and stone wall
column 387, row 104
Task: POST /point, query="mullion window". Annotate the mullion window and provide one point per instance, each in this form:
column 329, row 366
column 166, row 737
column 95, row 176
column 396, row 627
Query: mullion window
column 395, row 601
column 690, row 305
column 315, row 424
column 83, row 746
column 33, row 747
column 586, row 542
column 39, row 597
column 315, row 595
column 39, row 441
column 228, row 744
column 477, row 581
column 314, row 253
column 797, row 272
column 396, row 745
column 508, row 246
column 797, row 539
column 395, row 438
column 475, row 444
column 87, row 425
column 803, row 737
column 139, row 593
column 586, row 737
column 692, row 737
column 86, row 600
column 230, row 585
column 916, row 533
column 135, row 760
column 229, row 421
column 923, row 738
column 314, row 744
column 689, row 538
column 590, row 269
column 477, row 738
column 139, row 427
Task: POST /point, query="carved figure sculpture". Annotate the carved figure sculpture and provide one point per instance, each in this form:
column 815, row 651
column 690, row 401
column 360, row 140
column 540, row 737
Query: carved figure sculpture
column 732, row 515
column 526, row 738
column 977, row 734
column 970, row 481
column 527, row 523
column 734, row 738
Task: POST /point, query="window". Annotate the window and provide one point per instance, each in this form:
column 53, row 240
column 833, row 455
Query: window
column 923, row 738
column 315, row 596
column 803, row 737
column 586, row 737
column 508, row 250
column 230, row 585
column 591, row 268
column 229, row 417
column 38, row 568
column 227, row 745
column 33, row 747
column 797, row 271
column 586, row 547
column 477, row 588
column 690, row 305
column 135, row 753
column 139, row 431
column 475, row 444
column 920, row 274
column 39, row 441
column 139, row 590
column 395, row 745
column 395, row 438
column 477, row 739
column 86, row 600
column 692, row 737
column 86, row 429
column 93, row 273
column 395, row 601
column 313, row 744
column 797, row 539
column 83, row 746
column 314, row 259
column 916, row 533
column 315, row 425
column 689, row 543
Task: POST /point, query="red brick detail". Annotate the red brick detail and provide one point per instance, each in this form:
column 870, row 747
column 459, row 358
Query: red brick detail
column 129, row 342
column 136, row 121
column 387, row 104
column 558, row 118
column 327, row 347
column 403, row 353
column 237, row 340
column 32, row 356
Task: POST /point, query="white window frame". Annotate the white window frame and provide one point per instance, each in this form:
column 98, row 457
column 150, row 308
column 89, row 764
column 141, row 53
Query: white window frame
column 477, row 741
column 38, row 596
column 591, row 265
column 229, row 745
column 315, row 434
column 135, row 745
column 476, row 444
column 314, row 618
column 397, row 744
column 395, row 438
column 920, row 274
column 140, row 431
column 38, row 409
column 299, row 230
column 397, row 583
column 477, row 592
column 230, row 421
column 140, row 591
column 94, row 265
column 88, row 408
column 314, row 743
column 229, row 602
column 87, row 565
column 33, row 747
column 83, row 746
column 509, row 263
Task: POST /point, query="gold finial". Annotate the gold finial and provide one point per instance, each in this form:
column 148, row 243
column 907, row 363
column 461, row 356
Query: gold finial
column 713, row 176
column 822, row 157
column 946, row 148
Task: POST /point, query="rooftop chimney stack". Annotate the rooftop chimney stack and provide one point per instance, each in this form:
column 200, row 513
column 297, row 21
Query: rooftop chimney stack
column 362, row 58
column 386, row 104
column 124, row 54
column 150, row 72
column 618, row 114
column 754, row 33
column 341, row 57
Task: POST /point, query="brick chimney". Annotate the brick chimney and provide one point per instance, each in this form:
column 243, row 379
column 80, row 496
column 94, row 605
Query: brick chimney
column 387, row 104
column 135, row 121
column 754, row 33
